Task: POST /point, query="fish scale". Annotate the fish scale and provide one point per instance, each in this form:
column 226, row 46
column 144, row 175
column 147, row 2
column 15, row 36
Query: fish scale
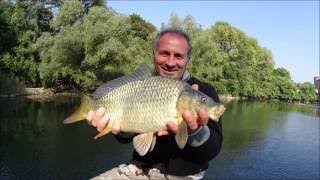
column 141, row 101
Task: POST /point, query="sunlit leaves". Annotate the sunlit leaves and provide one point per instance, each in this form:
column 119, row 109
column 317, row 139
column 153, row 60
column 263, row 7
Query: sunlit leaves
column 69, row 14
column 98, row 47
column 307, row 92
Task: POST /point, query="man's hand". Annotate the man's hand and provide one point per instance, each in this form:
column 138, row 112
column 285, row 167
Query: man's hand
column 192, row 123
column 100, row 119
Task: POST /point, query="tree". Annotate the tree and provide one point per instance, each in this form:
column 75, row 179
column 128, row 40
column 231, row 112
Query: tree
column 8, row 37
column 28, row 20
column 286, row 88
column 140, row 28
column 70, row 13
column 87, row 4
column 307, row 92
column 31, row 17
column 282, row 72
column 97, row 47
column 174, row 22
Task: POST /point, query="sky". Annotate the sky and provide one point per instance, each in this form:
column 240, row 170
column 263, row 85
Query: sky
column 290, row 29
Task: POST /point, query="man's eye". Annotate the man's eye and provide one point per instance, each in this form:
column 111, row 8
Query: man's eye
column 163, row 53
column 179, row 56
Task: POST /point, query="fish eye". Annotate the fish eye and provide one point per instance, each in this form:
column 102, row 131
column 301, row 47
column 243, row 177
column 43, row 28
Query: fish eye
column 203, row 99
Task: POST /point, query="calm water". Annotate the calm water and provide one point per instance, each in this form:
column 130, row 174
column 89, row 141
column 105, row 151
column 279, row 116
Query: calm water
column 261, row 140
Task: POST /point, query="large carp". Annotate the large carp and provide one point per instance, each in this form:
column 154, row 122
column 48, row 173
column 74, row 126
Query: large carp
column 144, row 103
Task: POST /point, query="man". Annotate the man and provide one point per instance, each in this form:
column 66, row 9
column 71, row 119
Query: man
column 172, row 52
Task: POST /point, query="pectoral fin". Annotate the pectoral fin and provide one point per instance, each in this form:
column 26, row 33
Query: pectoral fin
column 104, row 131
column 182, row 135
column 153, row 143
column 143, row 142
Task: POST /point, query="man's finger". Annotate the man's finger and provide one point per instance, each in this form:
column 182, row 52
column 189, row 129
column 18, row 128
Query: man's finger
column 203, row 117
column 103, row 122
column 89, row 117
column 163, row 133
column 195, row 87
column 191, row 123
column 97, row 116
column 116, row 127
column 172, row 127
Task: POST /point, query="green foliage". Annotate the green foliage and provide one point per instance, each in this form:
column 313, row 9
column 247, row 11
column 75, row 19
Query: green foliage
column 27, row 20
column 8, row 37
column 234, row 63
column 174, row 21
column 140, row 28
column 88, row 4
column 23, row 61
column 101, row 3
column 60, row 56
column 286, row 89
column 31, row 17
column 69, row 14
column 307, row 92
column 282, row 72
column 98, row 48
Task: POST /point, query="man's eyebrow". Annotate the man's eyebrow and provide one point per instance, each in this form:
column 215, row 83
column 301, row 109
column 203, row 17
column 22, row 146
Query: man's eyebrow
column 164, row 51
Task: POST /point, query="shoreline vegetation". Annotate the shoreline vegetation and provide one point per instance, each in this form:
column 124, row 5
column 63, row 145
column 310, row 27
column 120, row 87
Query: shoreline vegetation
column 42, row 93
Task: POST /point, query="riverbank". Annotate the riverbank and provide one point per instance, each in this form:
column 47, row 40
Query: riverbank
column 49, row 93
column 227, row 98
column 41, row 94
column 29, row 92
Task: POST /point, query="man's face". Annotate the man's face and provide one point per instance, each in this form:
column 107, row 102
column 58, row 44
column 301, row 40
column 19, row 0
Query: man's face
column 171, row 56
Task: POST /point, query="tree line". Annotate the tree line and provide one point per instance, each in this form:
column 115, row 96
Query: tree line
column 81, row 44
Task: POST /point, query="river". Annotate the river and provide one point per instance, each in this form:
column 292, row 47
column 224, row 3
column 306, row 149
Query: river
column 262, row 140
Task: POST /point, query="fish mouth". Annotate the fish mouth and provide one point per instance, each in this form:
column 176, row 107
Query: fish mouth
column 216, row 112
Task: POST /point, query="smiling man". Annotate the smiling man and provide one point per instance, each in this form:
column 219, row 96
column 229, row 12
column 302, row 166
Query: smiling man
column 172, row 53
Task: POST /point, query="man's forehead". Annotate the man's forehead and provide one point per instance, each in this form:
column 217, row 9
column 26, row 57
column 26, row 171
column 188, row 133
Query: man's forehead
column 172, row 34
column 173, row 40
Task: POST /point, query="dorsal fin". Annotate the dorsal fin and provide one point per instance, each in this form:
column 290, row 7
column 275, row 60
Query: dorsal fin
column 141, row 73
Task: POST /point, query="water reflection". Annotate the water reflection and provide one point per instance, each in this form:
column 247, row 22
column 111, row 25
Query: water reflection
column 261, row 140
column 35, row 143
column 268, row 140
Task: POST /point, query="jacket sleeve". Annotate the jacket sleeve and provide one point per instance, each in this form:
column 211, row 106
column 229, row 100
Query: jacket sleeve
column 209, row 149
column 212, row 146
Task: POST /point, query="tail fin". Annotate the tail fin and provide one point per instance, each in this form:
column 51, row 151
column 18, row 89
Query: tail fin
column 81, row 112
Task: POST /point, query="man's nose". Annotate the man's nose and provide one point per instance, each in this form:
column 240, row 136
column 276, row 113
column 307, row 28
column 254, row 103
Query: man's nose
column 171, row 61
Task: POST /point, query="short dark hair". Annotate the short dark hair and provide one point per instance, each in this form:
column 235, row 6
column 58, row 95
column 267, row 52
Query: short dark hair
column 174, row 31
